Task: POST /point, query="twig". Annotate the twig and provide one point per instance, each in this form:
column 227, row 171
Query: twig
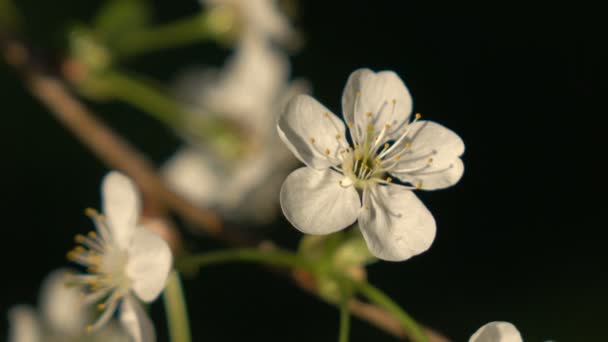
column 113, row 150
column 108, row 146
column 117, row 153
column 370, row 313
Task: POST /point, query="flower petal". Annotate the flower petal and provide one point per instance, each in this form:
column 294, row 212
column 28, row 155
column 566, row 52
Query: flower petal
column 149, row 264
column 435, row 177
column 249, row 82
column 264, row 17
column 395, row 223
column 434, row 155
column 193, row 174
column 382, row 94
column 136, row 321
column 315, row 202
column 113, row 332
column 62, row 306
column 23, row 325
column 121, row 205
column 310, row 131
column 253, row 191
column 497, row 332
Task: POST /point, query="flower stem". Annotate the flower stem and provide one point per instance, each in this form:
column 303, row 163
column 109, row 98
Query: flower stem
column 9, row 16
column 274, row 258
column 141, row 95
column 176, row 310
column 221, row 133
column 180, row 32
column 344, row 317
column 292, row 260
column 376, row 296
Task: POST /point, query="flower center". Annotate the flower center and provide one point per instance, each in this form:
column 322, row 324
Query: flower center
column 105, row 264
column 381, row 145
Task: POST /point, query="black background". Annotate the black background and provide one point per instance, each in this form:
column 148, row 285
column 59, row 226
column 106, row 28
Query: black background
column 519, row 238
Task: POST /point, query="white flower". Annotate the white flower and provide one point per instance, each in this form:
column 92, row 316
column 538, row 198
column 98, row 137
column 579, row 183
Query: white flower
column 62, row 317
column 497, row 332
column 125, row 261
column 259, row 17
column 251, row 90
column 349, row 180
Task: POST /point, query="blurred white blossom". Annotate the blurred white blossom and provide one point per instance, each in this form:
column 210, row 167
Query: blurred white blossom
column 126, row 262
column 349, row 180
column 62, row 316
column 497, row 332
column 249, row 91
column 253, row 17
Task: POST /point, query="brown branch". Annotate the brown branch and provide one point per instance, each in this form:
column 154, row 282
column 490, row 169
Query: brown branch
column 119, row 154
column 113, row 150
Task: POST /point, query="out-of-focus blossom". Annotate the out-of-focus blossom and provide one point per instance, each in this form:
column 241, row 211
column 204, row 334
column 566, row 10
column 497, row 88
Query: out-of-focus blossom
column 258, row 17
column 62, row 316
column 250, row 91
column 126, row 262
column 497, row 332
column 346, row 181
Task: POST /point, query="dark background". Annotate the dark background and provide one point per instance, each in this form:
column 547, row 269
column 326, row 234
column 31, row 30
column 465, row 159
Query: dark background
column 519, row 238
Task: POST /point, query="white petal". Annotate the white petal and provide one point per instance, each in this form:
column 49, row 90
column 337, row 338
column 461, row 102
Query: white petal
column 62, row 306
column 497, row 332
column 432, row 142
column 434, row 178
column 23, row 325
column 264, row 17
column 249, row 82
column 121, row 205
column 377, row 93
column 149, row 263
column 193, row 174
column 305, row 121
column 315, row 202
column 111, row 332
column 136, row 321
column 395, row 223
column 252, row 194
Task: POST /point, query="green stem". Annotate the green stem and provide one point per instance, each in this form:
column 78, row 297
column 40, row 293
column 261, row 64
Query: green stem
column 274, row 258
column 288, row 259
column 176, row 310
column 9, row 16
column 344, row 317
column 221, row 133
column 171, row 35
column 376, row 296
column 139, row 94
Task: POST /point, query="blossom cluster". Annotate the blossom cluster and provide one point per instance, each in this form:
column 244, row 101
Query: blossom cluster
column 361, row 171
